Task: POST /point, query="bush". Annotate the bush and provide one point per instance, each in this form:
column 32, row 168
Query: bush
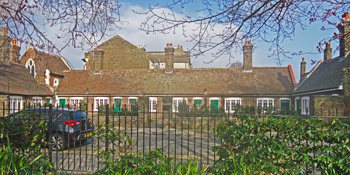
column 22, row 135
column 284, row 145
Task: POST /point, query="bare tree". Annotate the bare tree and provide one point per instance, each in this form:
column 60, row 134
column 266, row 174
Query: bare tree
column 78, row 22
column 271, row 21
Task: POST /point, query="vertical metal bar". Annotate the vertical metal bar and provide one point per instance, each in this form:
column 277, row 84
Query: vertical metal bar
column 50, row 133
column 162, row 132
column 149, row 135
column 143, row 138
column 63, row 139
column 119, row 125
column 214, row 138
column 137, row 134
column 125, row 115
column 92, row 142
column 194, row 134
column 86, row 145
column 80, row 138
column 107, row 128
column 156, row 128
column 169, row 133
column 98, row 140
column 56, row 117
column 182, row 129
column 175, row 140
column 201, row 142
column 134, row 112
column 188, row 136
column 113, row 129
column 208, row 137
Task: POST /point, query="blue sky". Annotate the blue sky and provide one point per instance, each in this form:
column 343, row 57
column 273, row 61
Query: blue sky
column 304, row 40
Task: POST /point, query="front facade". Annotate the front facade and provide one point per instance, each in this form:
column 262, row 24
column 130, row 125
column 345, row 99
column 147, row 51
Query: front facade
column 163, row 90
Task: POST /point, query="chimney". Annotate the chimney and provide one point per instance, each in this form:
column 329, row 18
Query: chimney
column 5, row 44
column 346, row 86
column 98, row 59
column 169, row 58
column 302, row 68
column 247, row 56
column 14, row 51
column 344, row 35
column 327, row 52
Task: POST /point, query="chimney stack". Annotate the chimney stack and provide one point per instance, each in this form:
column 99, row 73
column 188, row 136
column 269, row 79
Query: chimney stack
column 5, row 45
column 14, row 51
column 169, row 58
column 302, row 68
column 98, row 59
column 247, row 56
column 327, row 52
column 344, row 35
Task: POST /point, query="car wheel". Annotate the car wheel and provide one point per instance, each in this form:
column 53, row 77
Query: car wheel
column 57, row 142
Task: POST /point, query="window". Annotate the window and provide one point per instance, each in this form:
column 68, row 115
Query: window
column 56, row 82
column 31, row 67
column 100, row 101
column 133, row 103
column 48, row 100
column 265, row 103
column 297, row 104
column 75, row 102
column 305, row 110
column 153, row 104
column 37, row 101
column 177, row 102
column 214, row 103
column 15, row 104
column 231, row 104
column 285, row 105
column 117, row 102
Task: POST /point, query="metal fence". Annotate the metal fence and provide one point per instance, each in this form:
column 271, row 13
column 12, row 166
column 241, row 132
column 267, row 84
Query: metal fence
column 181, row 135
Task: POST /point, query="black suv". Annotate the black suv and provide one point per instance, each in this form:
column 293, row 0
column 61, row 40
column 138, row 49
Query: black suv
column 68, row 126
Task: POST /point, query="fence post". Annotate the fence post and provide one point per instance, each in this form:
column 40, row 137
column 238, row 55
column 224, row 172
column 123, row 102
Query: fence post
column 50, row 133
column 107, row 127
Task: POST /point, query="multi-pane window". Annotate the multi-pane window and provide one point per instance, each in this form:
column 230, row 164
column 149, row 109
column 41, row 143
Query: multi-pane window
column 265, row 103
column 15, row 103
column 75, row 102
column 31, row 67
column 37, row 101
column 133, row 103
column 177, row 102
column 100, row 101
column 153, row 104
column 231, row 104
column 297, row 104
column 305, row 110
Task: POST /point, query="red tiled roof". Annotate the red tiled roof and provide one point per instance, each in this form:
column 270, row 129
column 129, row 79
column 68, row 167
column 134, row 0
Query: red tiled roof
column 15, row 79
column 220, row 81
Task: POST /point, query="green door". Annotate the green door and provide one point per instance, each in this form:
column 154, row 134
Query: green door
column 214, row 104
column 117, row 104
column 62, row 102
column 285, row 106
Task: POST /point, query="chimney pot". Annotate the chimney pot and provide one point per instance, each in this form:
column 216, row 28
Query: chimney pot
column 346, row 16
column 171, row 44
column 4, row 30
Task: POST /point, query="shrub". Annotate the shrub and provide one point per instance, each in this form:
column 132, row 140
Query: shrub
column 22, row 135
column 284, row 143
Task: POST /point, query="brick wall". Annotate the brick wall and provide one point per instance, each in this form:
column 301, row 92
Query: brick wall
column 328, row 105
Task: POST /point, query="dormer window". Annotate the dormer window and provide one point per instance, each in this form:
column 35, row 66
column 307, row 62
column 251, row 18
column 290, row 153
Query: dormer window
column 31, row 67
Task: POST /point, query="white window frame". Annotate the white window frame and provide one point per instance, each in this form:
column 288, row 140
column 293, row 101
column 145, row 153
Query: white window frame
column 268, row 104
column 290, row 101
column 98, row 100
column 229, row 101
column 14, row 100
column 74, row 102
column 176, row 102
column 305, row 105
column 31, row 66
column 295, row 103
column 132, row 98
column 121, row 101
column 153, row 104
column 37, row 100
